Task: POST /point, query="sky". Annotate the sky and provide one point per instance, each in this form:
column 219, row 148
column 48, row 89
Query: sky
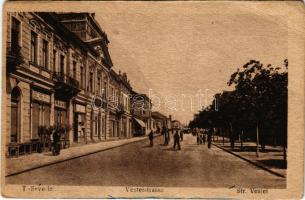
column 181, row 56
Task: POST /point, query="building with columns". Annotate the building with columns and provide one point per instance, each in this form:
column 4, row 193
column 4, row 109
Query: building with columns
column 59, row 73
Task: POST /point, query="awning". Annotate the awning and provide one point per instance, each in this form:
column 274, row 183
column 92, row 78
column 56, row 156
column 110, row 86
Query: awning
column 140, row 122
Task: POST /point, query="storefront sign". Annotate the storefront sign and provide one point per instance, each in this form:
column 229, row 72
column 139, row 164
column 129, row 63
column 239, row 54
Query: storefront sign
column 41, row 96
column 80, row 108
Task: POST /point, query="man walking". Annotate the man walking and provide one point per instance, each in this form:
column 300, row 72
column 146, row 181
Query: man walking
column 177, row 140
column 164, row 132
column 151, row 138
column 181, row 135
column 204, row 135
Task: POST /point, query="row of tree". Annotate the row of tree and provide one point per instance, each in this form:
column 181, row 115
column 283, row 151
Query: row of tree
column 255, row 110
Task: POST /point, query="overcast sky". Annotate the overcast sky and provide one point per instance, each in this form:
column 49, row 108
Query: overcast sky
column 177, row 51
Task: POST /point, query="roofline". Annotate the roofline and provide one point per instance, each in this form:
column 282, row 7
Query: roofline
column 52, row 17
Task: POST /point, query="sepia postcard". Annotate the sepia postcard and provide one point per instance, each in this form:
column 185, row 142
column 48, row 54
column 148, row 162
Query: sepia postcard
column 153, row 99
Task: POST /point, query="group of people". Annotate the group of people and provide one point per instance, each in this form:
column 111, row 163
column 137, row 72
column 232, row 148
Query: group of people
column 177, row 135
column 203, row 135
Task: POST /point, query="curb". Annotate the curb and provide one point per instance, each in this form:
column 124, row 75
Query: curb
column 73, row 157
column 252, row 162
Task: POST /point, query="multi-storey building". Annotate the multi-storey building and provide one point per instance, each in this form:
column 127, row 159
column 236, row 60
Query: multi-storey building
column 119, row 105
column 141, row 109
column 58, row 73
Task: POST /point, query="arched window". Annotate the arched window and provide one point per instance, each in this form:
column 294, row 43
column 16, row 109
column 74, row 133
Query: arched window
column 15, row 115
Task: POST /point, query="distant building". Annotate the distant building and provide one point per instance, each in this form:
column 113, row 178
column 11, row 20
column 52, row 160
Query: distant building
column 176, row 124
column 160, row 121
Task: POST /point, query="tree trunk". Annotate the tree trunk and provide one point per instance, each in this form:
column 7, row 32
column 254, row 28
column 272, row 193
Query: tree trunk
column 231, row 136
column 257, row 140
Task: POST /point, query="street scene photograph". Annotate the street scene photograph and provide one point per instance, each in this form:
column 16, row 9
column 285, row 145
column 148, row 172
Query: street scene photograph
column 158, row 99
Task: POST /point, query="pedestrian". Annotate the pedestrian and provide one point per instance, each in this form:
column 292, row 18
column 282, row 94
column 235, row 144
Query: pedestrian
column 204, row 136
column 151, row 138
column 198, row 137
column 56, row 145
column 181, row 135
column 177, row 140
column 164, row 132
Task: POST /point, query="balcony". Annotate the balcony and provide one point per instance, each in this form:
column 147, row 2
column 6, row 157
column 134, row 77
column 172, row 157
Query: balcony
column 13, row 57
column 66, row 87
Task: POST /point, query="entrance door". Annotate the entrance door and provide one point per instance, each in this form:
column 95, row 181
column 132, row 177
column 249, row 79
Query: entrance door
column 75, row 128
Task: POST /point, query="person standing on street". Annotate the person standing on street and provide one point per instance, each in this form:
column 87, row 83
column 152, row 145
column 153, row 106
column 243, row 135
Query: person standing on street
column 151, row 138
column 181, row 135
column 164, row 132
column 177, row 140
column 56, row 145
column 204, row 136
column 198, row 137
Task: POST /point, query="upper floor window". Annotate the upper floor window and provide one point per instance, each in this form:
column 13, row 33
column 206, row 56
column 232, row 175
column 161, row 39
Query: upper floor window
column 15, row 34
column 99, row 85
column 82, row 75
column 91, row 82
column 34, row 47
column 45, row 53
column 104, row 90
column 54, row 60
column 62, row 64
column 74, row 70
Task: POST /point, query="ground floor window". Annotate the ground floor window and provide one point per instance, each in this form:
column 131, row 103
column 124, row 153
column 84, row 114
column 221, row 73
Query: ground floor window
column 60, row 117
column 124, row 127
column 15, row 115
column 111, row 128
column 114, row 128
column 40, row 117
column 103, row 125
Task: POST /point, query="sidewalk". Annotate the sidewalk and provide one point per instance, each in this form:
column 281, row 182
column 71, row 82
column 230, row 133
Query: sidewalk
column 36, row 160
column 271, row 160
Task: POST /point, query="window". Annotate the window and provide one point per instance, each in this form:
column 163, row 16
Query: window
column 82, row 77
column 15, row 34
column 99, row 85
column 15, row 115
column 91, row 82
column 45, row 52
column 112, row 94
column 54, row 60
column 62, row 64
column 40, row 117
column 104, row 90
column 34, row 47
column 60, row 116
column 74, row 69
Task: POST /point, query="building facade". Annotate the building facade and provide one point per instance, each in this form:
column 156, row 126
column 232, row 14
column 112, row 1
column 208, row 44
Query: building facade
column 59, row 74
column 160, row 121
column 141, row 110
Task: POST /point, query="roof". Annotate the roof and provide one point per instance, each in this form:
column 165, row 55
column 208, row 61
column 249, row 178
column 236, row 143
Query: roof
column 158, row 115
column 64, row 32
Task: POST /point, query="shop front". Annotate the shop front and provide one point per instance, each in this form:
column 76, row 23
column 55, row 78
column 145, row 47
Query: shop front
column 79, row 130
